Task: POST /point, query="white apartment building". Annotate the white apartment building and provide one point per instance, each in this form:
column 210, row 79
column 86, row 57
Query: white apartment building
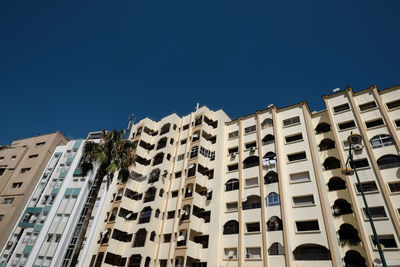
column 265, row 189
column 43, row 232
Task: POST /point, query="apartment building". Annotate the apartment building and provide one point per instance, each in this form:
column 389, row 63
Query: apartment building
column 46, row 227
column 265, row 189
column 21, row 166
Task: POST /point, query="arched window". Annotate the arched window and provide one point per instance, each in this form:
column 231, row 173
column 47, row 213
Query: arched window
column 134, row 260
column 273, row 199
column 154, row 175
column 274, row 224
column 196, row 136
column 162, row 143
column 268, row 139
column 152, row 236
column 231, row 227
column 336, row 183
column 232, row 184
column 161, row 192
column 150, row 194
column 140, row 238
column 267, row 123
column 113, row 214
column 381, row 141
column 251, row 162
column 341, row 207
column 388, row 161
column 171, row 141
column 323, row 127
column 354, row 258
column 185, row 212
column 271, row 177
column 189, row 190
column 276, row 249
column 326, row 144
column 269, row 155
column 348, row 235
column 145, row 215
column 191, row 170
column 158, row 159
column 157, row 213
column 147, row 262
column 331, row 163
column 311, row 252
column 165, row 128
column 174, row 127
column 252, row 202
column 168, row 156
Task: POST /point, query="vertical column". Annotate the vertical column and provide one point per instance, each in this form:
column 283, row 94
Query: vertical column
column 348, row 182
column 278, row 168
column 374, row 163
column 240, row 252
column 262, row 195
column 319, row 186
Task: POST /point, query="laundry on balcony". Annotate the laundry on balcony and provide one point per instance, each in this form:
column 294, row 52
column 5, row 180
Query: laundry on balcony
column 269, row 162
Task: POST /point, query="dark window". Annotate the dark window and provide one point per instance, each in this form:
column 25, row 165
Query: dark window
column 341, row 108
column 293, row 138
column 166, row 238
column 367, row 106
column 388, row 161
column 276, row 249
column 374, row 123
column 178, row 174
column 394, row 187
column 297, row 156
column 397, row 122
column 185, row 127
column 140, row 238
column 232, row 184
column 323, row 127
column 387, row 241
column 233, row 134
column 134, row 260
column 359, row 163
column 291, row 121
column 171, row 214
column 367, row 187
column 311, row 252
column 376, row 212
column 174, row 193
column 233, row 150
column 250, row 129
column 253, row 227
column 307, row 226
column 346, row 125
column 99, row 259
column 16, row 185
column 233, row 167
column 393, row 104
column 381, row 141
column 231, row 227
column 250, row 145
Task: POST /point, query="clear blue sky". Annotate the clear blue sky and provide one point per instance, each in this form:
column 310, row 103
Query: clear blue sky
column 77, row 66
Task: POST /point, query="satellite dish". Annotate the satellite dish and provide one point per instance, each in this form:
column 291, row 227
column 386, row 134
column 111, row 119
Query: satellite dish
column 180, row 238
column 195, row 135
column 270, row 105
column 186, row 212
column 209, row 191
column 191, row 166
column 231, row 253
column 105, row 232
column 336, row 90
column 273, row 219
column 244, row 199
column 128, row 216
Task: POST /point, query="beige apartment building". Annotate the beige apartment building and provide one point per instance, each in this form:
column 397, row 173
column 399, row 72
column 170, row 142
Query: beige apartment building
column 266, row 189
column 21, row 165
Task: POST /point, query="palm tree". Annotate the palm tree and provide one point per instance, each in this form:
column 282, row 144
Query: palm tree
column 113, row 154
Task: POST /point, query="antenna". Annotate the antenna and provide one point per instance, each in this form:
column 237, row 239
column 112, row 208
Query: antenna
column 131, row 119
column 197, row 106
column 336, row 90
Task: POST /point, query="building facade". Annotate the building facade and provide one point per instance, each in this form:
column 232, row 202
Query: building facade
column 266, row 189
column 21, row 166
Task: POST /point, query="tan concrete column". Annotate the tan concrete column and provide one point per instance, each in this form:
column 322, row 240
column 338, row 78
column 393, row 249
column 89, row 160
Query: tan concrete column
column 240, row 252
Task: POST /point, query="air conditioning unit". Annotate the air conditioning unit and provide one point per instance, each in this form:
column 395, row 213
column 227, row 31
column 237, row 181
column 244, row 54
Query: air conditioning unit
column 233, row 155
column 252, row 149
column 358, row 147
column 10, row 243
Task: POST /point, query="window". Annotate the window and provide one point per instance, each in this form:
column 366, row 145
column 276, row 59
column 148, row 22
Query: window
column 388, row 161
column 233, row 167
column 386, row 241
column 1, row 217
column 16, row 185
column 174, row 193
column 374, row 123
column 346, row 125
column 359, row 163
column 300, row 177
column 33, row 156
column 185, row 127
column 268, row 139
column 230, row 253
column 140, row 238
column 291, row 121
column 194, row 152
column 297, row 156
column 171, row 214
column 376, row 212
column 294, row 138
column 253, row 253
column 397, row 123
column 367, row 106
column 276, row 249
column 40, row 143
column 311, row 225
column 24, row 170
column 303, row 201
column 326, row 144
column 341, row 108
column 267, row 123
column 58, row 237
column 253, row 227
column 183, row 141
column 232, row 184
column 381, row 141
column 178, row 174
column 250, row 145
column 273, row 199
column 393, row 104
column 367, row 187
column 251, row 182
column 394, row 187
column 322, row 127
column 233, row 150
column 166, row 238
column 231, row 227
column 8, row 200
column 234, row 134
column 250, row 129
column 311, row 252
column 233, row 206
column 49, row 237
